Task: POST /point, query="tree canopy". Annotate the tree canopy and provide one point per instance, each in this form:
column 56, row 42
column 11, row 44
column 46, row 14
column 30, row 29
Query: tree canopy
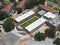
column 19, row 10
column 57, row 41
column 41, row 1
column 12, row 0
column 3, row 16
column 50, row 33
column 32, row 3
column 39, row 36
column 59, row 12
column 8, row 24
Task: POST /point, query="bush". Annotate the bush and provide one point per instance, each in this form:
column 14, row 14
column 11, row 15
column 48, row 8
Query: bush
column 8, row 24
column 39, row 36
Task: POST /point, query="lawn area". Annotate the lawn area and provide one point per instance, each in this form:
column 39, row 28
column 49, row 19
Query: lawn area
column 49, row 5
column 56, row 8
column 29, row 22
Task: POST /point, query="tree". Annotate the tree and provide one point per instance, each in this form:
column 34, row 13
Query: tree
column 57, row 41
column 19, row 10
column 3, row 16
column 12, row 0
column 41, row 1
column 8, row 24
column 59, row 12
column 39, row 36
column 50, row 33
column 31, row 4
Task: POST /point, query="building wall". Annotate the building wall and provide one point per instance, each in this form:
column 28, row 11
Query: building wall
column 49, row 24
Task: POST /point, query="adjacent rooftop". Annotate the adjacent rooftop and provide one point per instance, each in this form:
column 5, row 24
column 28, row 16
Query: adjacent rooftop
column 55, row 21
column 21, row 4
column 49, row 9
column 7, row 7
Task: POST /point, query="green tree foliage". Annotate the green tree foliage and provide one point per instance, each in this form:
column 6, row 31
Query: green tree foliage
column 12, row 0
column 57, row 41
column 41, row 1
column 19, row 10
column 8, row 24
column 29, row 6
column 3, row 16
column 32, row 3
column 39, row 36
column 50, row 33
column 59, row 12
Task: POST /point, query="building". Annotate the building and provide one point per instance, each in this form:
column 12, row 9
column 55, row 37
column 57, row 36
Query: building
column 49, row 15
column 46, row 8
column 24, row 16
column 7, row 8
column 55, row 23
column 38, row 23
column 41, row 13
column 21, row 4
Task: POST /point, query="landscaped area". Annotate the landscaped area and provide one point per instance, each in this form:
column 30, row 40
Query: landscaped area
column 49, row 5
column 56, row 9
column 29, row 22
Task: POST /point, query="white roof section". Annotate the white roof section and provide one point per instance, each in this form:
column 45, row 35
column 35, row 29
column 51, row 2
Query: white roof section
column 35, row 24
column 22, row 17
column 41, row 12
column 50, row 15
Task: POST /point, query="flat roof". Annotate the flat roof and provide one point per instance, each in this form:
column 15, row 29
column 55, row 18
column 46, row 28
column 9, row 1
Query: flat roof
column 55, row 21
column 41, row 12
column 22, row 17
column 20, row 4
column 35, row 24
column 7, row 7
column 50, row 15
column 47, row 8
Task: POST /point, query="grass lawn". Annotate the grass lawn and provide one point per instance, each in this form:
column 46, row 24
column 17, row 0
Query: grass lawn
column 29, row 22
column 56, row 8
column 49, row 5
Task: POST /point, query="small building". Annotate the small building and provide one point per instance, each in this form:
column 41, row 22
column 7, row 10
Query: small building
column 7, row 8
column 46, row 8
column 38, row 23
column 41, row 13
column 21, row 3
column 49, row 15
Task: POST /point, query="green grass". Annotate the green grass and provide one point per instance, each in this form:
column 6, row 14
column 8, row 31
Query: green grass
column 29, row 22
column 49, row 5
column 56, row 8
